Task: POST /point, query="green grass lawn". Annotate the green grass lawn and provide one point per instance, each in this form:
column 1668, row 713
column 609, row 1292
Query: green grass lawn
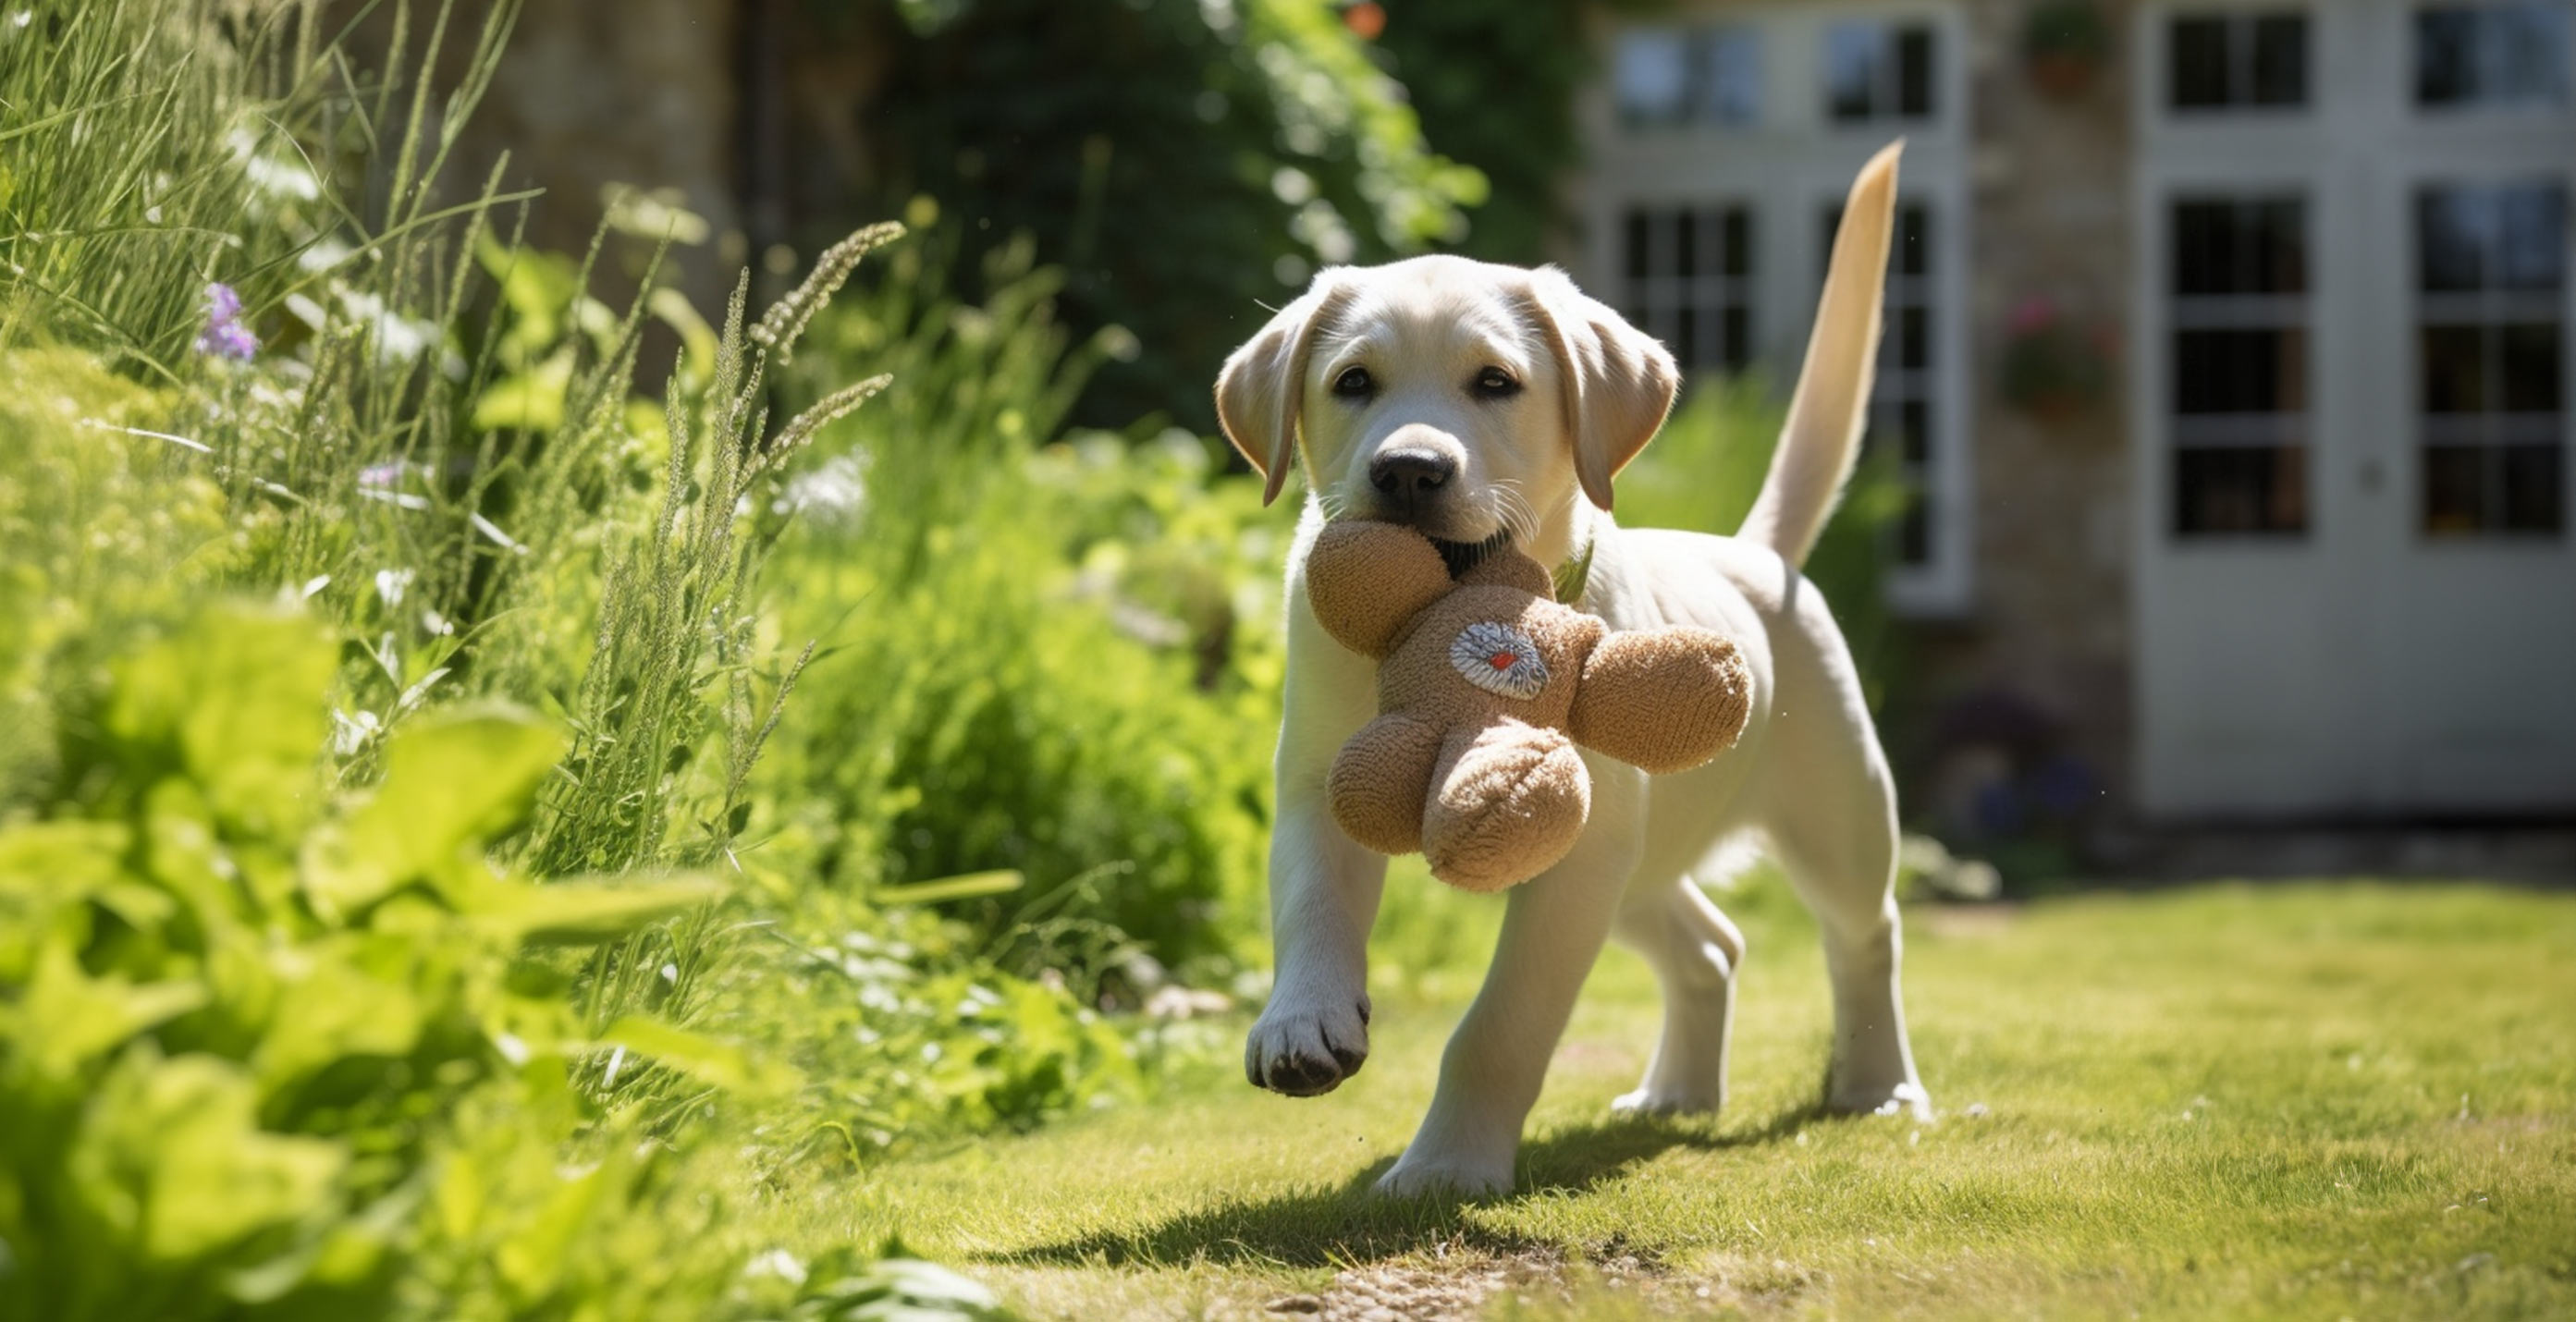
column 2260, row 1101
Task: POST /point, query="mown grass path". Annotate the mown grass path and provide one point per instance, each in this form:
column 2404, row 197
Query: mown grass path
column 2282, row 1101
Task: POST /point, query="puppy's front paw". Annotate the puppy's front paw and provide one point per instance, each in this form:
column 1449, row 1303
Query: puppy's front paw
column 1304, row 1047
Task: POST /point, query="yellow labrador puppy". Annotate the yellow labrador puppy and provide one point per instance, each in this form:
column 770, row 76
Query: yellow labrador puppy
column 1480, row 403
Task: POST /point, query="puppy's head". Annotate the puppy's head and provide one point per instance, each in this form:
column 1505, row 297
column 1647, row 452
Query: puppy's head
column 1469, row 400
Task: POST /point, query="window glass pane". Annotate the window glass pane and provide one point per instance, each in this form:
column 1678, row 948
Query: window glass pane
column 1640, row 247
column 1685, row 244
column 2534, row 490
column 2531, row 238
column 2204, row 248
column 1736, row 244
column 2444, row 52
column 1914, row 530
column 1650, row 75
column 1914, row 72
column 2197, row 52
column 1913, row 338
column 2528, row 362
column 2249, row 489
column 2455, row 369
column 2279, row 61
column 1851, row 69
column 2240, row 248
column 2505, row 53
column 2280, row 249
column 1739, row 339
column 2240, row 371
column 2455, row 485
column 1914, row 432
column 2452, row 226
column 1731, row 76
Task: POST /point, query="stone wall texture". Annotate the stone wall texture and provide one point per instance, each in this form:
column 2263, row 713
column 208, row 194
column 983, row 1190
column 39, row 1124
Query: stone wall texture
column 2054, row 499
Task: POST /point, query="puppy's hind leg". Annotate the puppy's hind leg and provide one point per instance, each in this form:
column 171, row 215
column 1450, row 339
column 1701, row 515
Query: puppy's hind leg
column 1836, row 837
column 1695, row 953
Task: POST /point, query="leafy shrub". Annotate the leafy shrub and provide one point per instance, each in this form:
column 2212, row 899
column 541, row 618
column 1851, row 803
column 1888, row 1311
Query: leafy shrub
column 264, row 1050
column 1181, row 161
column 1034, row 658
column 96, row 523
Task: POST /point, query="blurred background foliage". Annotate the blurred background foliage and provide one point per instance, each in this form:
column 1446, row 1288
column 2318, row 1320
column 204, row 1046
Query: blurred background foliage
column 1185, row 163
column 515, row 780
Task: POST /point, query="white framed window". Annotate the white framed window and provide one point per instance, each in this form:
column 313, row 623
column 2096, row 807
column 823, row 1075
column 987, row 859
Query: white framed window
column 1880, row 70
column 1689, row 281
column 2495, row 54
column 2491, row 293
column 1675, row 76
column 1708, row 222
column 2237, row 390
column 2234, row 61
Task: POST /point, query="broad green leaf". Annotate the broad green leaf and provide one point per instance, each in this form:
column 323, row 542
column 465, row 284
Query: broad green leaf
column 47, row 868
column 239, row 694
column 331, row 1007
column 69, row 1018
column 452, row 781
column 171, row 1156
column 532, row 400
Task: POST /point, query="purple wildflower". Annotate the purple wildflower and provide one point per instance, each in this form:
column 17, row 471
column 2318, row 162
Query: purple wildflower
column 224, row 335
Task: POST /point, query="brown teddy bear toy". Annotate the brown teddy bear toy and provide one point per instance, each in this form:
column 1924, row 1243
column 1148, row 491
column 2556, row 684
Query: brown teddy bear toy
column 1485, row 686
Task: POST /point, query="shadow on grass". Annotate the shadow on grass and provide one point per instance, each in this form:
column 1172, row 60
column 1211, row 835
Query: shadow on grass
column 1344, row 1225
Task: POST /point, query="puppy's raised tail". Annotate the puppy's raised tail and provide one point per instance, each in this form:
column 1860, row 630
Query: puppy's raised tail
column 1821, row 439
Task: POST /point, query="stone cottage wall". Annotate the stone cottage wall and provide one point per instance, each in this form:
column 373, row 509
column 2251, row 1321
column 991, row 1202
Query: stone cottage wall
column 2050, row 630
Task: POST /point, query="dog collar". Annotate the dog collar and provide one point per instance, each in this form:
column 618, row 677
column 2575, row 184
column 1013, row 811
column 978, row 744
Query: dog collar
column 1572, row 575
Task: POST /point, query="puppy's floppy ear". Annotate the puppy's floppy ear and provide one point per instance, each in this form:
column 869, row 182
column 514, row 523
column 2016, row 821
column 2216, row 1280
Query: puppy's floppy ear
column 1263, row 385
column 1617, row 382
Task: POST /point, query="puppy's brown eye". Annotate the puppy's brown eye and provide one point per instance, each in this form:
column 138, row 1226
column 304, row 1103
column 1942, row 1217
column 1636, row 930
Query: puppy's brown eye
column 1495, row 383
column 1354, row 383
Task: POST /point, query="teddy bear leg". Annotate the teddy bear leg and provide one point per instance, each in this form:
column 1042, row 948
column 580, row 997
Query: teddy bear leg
column 1507, row 801
column 1381, row 778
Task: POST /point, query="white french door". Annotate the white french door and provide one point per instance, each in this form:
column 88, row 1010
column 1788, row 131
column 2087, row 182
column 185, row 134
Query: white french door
column 2356, row 542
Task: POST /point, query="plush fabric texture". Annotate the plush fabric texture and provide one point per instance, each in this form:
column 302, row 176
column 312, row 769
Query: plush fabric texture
column 1486, row 685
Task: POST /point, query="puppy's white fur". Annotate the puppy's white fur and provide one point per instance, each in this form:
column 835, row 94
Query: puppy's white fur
column 1808, row 778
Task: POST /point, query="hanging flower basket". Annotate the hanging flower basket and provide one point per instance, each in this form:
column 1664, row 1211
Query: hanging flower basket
column 2065, row 44
column 2054, row 369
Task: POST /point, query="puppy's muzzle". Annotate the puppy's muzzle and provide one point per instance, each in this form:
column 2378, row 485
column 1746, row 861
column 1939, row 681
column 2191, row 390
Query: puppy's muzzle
column 1408, row 480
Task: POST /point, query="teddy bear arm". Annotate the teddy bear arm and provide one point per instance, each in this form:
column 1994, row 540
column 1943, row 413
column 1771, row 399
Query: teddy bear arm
column 1366, row 581
column 1664, row 700
column 1380, row 781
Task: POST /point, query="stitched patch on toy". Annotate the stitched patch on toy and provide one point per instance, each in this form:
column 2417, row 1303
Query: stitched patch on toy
column 1498, row 659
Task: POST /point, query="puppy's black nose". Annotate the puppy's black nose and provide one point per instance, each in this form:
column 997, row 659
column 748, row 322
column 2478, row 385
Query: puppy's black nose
column 1409, row 477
